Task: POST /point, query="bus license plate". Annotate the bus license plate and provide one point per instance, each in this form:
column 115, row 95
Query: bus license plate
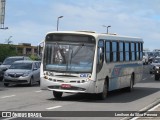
column 65, row 86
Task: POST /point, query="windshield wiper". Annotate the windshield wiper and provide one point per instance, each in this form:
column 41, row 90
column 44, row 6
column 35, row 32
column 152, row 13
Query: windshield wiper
column 73, row 54
column 77, row 50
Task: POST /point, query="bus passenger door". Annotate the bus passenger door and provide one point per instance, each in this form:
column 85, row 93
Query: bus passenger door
column 100, row 61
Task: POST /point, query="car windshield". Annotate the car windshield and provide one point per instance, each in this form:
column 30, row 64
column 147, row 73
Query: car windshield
column 9, row 61
column 69, row 57
column 156, row 60
column 26, row 66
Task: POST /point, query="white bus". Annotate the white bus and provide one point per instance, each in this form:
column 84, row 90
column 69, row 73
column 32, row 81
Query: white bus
column 87, row 62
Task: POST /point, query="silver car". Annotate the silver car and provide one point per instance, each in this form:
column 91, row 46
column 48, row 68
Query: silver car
column 8, row 61
column 23, row 72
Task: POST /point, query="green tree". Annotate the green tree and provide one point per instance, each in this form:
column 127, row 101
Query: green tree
column 7, row 50
column 34, row 57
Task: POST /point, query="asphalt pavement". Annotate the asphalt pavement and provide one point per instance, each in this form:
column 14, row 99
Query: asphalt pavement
column 145, row 96
column 1, row 84
column 154, row 107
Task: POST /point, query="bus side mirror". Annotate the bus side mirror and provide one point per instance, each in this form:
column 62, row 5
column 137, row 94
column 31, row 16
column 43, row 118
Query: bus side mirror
column 40, row 49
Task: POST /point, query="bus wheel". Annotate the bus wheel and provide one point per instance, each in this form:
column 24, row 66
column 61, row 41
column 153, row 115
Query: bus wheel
column 103, row 94
column 57, row 95
column 130, row 88
column 156, row 77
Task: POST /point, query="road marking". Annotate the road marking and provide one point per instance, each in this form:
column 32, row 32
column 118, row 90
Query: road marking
column 144, row 79
column 50, row 108
column 9, row 118
column 8, row 96
column 135, row 118
column 152, row 109
column 38, row 91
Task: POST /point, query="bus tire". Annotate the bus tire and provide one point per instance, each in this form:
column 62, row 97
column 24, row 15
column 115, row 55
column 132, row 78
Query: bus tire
column 130, row 88
column 57, row 95
column 103, row 94
column 156, row 77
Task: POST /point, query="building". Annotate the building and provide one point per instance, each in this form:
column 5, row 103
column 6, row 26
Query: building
column 25, row 49
column 156, row 50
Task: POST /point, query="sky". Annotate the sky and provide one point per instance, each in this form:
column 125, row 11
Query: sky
column 29, row 20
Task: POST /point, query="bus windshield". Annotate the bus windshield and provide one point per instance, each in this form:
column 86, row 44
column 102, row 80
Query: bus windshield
column 69, row 57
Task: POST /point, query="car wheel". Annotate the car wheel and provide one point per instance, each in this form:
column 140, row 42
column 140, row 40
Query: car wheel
column 103, row 94
column 31, row 82
column 57, row 95
column 156, row 77
column 39, row 82
column 6, row 84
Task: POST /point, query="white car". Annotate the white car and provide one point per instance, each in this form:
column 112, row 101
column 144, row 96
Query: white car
column 22, row 72
column 155, row 62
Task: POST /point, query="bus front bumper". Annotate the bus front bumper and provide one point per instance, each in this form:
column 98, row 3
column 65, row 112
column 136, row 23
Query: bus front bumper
column 71, row 89
column 86, row 87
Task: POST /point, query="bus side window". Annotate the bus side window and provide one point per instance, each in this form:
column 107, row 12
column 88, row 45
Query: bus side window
column 100, row 55
column 108, row 51
column 114, row 51
column 132, row 51
column 127, row 51
column 137, row 52
column 121, row 53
